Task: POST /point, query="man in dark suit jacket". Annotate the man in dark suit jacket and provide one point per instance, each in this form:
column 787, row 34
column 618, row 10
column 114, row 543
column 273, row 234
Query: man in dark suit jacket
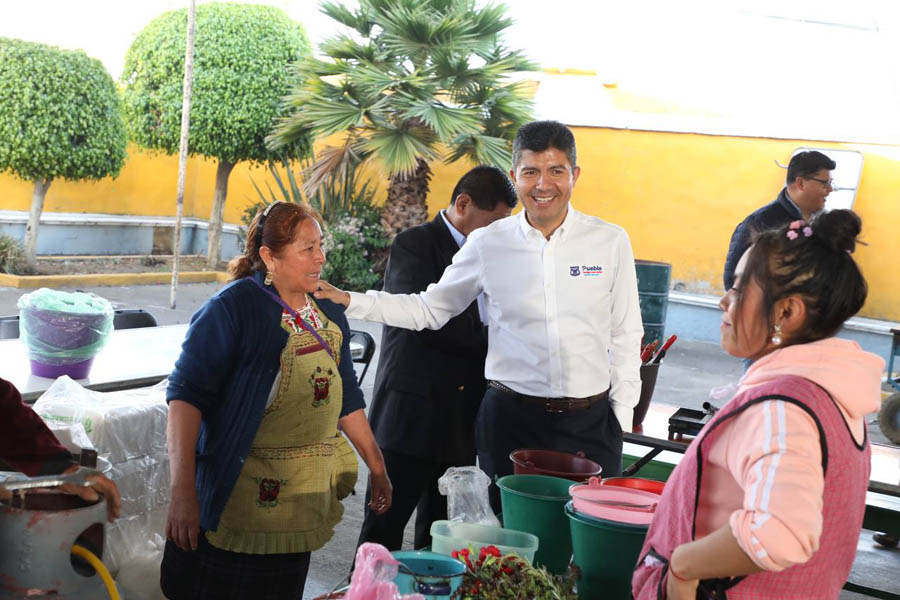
column 808, row 183
column 429, row 384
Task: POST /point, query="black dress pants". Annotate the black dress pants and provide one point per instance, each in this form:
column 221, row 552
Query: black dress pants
column 415, row 488
column 506, row 423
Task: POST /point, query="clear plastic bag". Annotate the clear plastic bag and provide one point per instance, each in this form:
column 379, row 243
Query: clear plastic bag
column 466, row 489
column 72, row 436
column 126, row 535
column 124, row 425
column 138, row 577
column 61, row 328
column 129, row 429
column 143, row 483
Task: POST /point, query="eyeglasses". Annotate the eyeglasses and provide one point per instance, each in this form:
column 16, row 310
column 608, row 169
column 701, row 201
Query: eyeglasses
column 825, row 182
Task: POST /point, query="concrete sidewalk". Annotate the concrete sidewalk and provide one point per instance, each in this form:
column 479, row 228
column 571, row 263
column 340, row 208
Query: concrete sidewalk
column 691, row 369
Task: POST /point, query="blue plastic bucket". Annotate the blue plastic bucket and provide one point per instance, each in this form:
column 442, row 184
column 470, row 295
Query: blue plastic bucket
column 435, row 576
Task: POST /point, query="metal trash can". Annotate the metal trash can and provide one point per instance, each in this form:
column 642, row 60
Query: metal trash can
column 653, row 293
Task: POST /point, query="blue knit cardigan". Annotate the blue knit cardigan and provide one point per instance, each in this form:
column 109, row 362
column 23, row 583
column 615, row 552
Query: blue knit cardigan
column 228, row 364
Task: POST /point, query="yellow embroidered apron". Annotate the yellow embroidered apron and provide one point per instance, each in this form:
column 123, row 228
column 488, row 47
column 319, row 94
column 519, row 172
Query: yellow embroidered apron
column 285, row 499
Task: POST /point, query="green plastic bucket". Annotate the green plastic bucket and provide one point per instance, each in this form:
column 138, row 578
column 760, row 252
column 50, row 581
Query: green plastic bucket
column 653, row 295
column 536, row 504
column 606, row 553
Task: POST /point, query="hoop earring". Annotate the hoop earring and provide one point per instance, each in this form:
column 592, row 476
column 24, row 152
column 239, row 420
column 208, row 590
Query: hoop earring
column 268, row 279
column 776, row 337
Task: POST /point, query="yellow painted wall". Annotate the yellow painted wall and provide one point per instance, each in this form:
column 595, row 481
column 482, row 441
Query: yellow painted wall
column 146, row 186
column 681, row 195
column 678, row 195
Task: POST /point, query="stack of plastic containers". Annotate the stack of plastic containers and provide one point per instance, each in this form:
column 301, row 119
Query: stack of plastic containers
column 608, row 524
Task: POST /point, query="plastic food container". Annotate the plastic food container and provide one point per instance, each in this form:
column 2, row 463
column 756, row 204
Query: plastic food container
column 435, row 576
column 614, row 503
column 447, row 536
column 636, row 483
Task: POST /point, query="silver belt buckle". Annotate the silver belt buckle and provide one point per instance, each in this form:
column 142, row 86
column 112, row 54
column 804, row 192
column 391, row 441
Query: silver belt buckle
column 548, row 406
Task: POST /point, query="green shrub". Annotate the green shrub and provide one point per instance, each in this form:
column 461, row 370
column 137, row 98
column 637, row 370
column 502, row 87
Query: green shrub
column 12, row 256
column 352, row 235
column 350, row 243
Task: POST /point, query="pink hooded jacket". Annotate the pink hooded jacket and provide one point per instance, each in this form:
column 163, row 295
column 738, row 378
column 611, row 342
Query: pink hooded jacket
column 744, row 473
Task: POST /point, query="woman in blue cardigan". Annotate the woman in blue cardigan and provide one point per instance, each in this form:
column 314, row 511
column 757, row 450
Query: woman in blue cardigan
column 258, row 397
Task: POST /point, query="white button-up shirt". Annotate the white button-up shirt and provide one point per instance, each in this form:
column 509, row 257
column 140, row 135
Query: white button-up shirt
column 563, row 314
column 460, row 239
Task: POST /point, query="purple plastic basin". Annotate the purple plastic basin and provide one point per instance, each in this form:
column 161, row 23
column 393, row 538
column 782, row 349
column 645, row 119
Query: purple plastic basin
column 76, row 370
column 61, row 329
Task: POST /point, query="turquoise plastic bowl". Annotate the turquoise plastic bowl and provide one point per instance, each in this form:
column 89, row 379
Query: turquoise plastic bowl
column 435, row 576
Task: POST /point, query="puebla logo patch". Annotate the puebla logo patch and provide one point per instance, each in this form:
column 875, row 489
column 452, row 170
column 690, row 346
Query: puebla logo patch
column 321, row 383
column 574, row 271
column 268, row 491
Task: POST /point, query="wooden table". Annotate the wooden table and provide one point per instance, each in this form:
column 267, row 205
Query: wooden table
column 132, row 358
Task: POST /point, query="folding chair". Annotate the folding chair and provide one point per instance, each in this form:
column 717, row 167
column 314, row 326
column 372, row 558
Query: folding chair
column 9, row 327
column 367, row 342
column 133, row 318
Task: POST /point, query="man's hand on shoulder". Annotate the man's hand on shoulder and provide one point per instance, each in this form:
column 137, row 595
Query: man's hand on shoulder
column 327, row 291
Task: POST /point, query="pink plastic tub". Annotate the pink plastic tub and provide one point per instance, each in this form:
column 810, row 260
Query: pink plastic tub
column 614, row 503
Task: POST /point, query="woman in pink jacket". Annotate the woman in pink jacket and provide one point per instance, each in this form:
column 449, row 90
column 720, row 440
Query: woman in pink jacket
column 768, row 501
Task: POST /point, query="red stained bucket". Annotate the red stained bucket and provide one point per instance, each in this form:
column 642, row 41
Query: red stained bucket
column 574, row 467
column 636, row 483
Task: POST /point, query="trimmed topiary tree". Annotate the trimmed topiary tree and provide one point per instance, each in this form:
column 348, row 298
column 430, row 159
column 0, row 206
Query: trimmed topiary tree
column 60, row 116
column 242, row 55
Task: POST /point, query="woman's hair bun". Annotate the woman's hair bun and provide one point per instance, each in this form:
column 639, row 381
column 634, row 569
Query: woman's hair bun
column 837, row 229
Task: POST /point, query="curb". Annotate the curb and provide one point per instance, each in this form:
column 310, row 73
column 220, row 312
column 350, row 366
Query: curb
column 100, row 279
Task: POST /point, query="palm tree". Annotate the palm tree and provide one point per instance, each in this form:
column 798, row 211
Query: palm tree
column 414, row 81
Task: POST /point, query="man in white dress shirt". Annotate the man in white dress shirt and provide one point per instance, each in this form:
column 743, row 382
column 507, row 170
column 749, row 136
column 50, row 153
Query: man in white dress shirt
column 564, row 322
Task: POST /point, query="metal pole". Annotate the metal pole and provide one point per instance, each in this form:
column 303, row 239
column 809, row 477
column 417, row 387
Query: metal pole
column 183, row 150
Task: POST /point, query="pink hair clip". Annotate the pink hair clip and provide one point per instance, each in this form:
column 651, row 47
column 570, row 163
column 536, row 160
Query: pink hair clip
column 795, row 225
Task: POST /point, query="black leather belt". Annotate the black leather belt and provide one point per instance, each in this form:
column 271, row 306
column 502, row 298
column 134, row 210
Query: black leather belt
column 553, row 405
